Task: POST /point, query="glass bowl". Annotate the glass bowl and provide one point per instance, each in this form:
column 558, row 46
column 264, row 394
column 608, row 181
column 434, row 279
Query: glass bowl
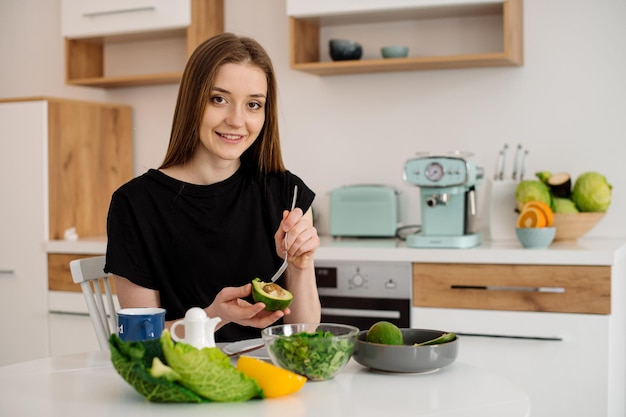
column 318, row 351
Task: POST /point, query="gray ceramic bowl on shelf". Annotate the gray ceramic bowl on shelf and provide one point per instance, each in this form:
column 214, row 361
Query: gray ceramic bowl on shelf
column 407, row 358
column 394, row 51
column 344, row 50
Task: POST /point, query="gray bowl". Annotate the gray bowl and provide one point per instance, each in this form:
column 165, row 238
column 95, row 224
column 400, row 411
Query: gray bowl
column 406, row 358
column 394, row 51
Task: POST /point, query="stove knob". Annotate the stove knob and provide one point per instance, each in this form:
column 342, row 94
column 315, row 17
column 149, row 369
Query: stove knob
column 358, row 280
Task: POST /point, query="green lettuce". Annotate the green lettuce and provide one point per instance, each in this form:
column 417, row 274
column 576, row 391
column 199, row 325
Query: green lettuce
column 317, row 355
column 133, row 361
column 208, row 372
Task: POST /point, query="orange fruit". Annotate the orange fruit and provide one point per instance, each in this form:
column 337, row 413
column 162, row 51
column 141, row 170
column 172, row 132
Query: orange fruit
column 274, row 381
column 547, row 211
column 532, row 217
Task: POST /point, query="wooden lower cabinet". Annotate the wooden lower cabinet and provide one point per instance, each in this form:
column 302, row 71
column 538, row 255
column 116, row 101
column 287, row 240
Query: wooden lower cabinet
column 555, row 288
column 59, row 275
column 556, row 331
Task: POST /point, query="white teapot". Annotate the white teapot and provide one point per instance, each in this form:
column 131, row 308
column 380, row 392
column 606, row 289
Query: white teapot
column 199, row 329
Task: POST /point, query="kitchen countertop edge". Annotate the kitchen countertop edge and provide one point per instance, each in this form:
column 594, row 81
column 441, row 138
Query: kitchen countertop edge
column 594, row 251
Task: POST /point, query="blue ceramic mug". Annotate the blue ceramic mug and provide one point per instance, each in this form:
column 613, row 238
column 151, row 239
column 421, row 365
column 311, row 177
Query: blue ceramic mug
column 142, row 323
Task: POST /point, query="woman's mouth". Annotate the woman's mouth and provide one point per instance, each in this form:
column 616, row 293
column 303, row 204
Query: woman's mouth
column 230, row 137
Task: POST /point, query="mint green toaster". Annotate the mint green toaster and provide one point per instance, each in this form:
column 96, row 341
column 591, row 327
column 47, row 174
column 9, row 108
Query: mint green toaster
column 364, row 211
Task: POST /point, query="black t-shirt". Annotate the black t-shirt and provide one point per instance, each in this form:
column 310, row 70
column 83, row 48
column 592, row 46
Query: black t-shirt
column 189, row 241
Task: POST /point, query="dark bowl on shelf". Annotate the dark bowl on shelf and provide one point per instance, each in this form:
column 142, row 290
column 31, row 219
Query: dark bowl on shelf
column 344, row 50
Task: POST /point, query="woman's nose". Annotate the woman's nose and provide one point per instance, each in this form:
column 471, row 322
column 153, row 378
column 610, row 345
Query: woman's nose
column 235, row 116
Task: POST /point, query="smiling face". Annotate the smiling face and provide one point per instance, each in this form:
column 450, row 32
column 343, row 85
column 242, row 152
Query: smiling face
column 234, row 115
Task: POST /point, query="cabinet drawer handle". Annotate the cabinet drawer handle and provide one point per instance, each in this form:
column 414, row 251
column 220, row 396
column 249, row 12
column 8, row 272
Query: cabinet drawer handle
column 357, row 312
column 556, row 290
column 120, row 11
column 506, row 336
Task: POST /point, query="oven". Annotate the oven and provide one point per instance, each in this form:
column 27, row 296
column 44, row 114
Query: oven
column 363, row 293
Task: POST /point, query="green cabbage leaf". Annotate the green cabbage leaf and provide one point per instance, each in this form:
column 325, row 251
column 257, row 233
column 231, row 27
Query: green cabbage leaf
column 208, row 372
column 133, row 361
column 164, row 371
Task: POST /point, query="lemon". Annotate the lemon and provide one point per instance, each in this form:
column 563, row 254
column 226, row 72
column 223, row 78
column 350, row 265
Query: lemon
column 385, row 333
column 274, row 381
column 271, row 294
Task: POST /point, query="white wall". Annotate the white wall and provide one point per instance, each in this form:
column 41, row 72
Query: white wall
column 566, row 104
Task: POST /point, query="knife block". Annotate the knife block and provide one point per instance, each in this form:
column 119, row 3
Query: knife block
column 501, row 209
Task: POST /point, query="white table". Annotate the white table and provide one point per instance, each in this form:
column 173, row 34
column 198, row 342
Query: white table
column 87, row 385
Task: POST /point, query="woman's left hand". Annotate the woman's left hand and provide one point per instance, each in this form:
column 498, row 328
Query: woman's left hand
column 302, row 238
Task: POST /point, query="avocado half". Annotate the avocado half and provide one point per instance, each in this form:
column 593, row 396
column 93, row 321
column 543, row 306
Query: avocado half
column 271, row 294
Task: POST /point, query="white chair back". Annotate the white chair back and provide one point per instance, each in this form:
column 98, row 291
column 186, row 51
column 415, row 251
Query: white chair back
column 94, row 282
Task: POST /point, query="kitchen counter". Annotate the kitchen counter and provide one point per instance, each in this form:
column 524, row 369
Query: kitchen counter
column 86, row 384
column 534, row 338
column 581, row 252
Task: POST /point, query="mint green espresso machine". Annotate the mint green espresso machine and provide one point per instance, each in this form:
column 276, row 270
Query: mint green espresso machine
column 447, row 200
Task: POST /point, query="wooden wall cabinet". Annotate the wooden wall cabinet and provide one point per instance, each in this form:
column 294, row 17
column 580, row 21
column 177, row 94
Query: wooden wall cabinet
column 310, row 20
column 157, row 36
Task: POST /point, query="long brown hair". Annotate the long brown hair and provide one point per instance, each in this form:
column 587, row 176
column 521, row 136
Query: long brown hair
column 194, row 93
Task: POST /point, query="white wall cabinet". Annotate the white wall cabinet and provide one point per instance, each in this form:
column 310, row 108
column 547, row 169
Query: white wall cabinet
column 119, row 43
column 88, row 18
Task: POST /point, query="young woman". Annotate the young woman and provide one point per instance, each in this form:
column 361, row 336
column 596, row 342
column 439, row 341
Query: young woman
column 214, row 216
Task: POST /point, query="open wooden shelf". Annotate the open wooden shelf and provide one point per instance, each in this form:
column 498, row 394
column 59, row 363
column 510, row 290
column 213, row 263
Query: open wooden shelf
column 305, row 31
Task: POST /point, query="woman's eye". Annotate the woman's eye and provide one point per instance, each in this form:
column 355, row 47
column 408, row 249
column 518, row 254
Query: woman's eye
column 218, row 99
column 255, row 105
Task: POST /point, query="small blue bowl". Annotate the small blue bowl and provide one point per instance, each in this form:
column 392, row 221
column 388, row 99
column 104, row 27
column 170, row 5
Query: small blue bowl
column 394, row 51
column 535, row 237
column 344, row 50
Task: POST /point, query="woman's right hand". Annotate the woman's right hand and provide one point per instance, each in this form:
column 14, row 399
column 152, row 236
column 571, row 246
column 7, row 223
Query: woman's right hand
column 230, row 306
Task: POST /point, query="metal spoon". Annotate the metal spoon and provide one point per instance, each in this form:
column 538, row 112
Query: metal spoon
column 284, row 265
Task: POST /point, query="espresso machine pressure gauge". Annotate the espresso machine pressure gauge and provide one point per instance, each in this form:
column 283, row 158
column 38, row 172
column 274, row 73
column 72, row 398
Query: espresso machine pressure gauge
column 434, row 171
